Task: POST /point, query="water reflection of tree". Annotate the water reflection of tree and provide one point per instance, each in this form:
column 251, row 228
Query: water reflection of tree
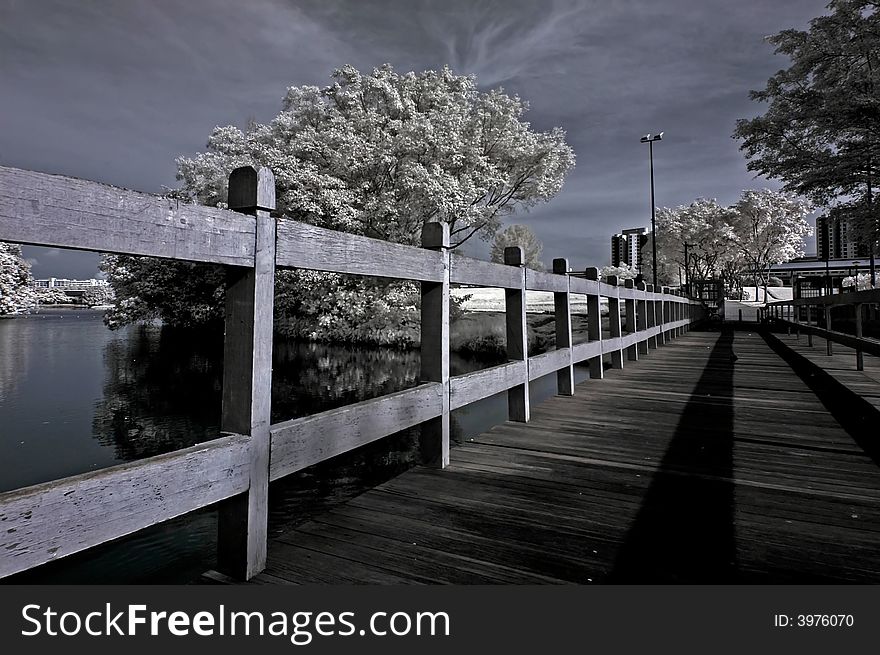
column 13, row 355
column 312, row 377
column 161, row 391
column 162, row 386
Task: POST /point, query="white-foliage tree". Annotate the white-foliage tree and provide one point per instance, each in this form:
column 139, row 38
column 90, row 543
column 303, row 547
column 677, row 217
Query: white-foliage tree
column 16, row 284
column 522, row 236
column 101, row 295
column 696, row 238
column 378, row 154
column 861, row 282
column 622, row 272
column 769, row 228
column 52, row 296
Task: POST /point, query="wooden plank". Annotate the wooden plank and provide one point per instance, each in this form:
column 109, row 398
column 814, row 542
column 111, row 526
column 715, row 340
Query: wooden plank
column 642, row 319
column 583, row 286
column 517, row 335
column 301, row 442
column 465, row 270
column 586, row 350
column 469, row 388
column 540, row 281
column 49, row 521
column 434, row 352
column 247, row 377
column 594, row 326
column 850, row 298
column 562, row 320
column 612, row 345
column 865, row 344
column 53, row 210
column 585, row 487
column 631, row 339
column 549, row 362
column 301, row 245
column 614, row 327
column 608, row 290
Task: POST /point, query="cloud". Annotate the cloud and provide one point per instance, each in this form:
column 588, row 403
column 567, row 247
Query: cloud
column 115, row 91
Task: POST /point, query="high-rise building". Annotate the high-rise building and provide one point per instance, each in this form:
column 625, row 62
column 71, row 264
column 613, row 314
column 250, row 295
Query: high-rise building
column 626, row 247
column 836, row 239
column 618, row 250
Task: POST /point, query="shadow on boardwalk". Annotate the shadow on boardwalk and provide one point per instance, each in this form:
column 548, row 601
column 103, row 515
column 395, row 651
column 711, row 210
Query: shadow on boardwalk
column 684, row 530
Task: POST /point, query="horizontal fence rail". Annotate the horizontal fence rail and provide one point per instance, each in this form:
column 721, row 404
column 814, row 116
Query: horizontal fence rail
column 805, row 315
column 48, row 521
column 53, row 210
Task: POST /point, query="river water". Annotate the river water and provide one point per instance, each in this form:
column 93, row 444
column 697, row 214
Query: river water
column 76, row 397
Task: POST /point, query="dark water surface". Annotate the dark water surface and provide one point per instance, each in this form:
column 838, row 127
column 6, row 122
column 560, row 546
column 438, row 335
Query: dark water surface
column 76, row 397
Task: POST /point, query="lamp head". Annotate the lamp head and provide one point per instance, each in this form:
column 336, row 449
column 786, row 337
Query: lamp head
column 646, row 138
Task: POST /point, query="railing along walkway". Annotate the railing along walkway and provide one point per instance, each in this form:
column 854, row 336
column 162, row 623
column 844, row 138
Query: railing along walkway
column 48, row 521
column 710, row 461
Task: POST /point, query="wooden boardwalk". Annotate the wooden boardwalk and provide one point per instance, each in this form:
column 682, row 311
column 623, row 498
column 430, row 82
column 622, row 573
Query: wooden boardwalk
column 708, row 461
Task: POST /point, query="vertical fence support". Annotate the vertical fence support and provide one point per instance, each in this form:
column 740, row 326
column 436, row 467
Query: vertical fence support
column 614, row 323
column 632, row 353
column 661, row 316
column 829, row 348
column 562, row 311
column 860, row 358
column 652, row 317
column 678, row 316
column 517, row 336
column 247, row 376
column 809, row 325
column 594, row 326
column 434, row 440
column 666, row 314
column 642, row 317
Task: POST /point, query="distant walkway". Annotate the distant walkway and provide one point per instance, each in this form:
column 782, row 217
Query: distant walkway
column 710, row 461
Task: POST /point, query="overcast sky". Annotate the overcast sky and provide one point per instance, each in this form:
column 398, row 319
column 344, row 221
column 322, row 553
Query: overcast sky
column 114, row 91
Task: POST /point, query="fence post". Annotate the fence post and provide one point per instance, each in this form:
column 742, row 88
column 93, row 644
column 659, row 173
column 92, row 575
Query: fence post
column 642, row 317
column 652, row 317
column 666, row 315
column 434, row 439
column 594, row 325
column 614, row 323
column 860, row 358
column 562, row 311
column 247, row 376
column 517, row 336
column 632, row 353
column 810, row 326
column 829, row 347
column 679, row 315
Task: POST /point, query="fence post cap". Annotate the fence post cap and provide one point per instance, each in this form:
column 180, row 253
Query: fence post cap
column 251, row 189
column 592, row 273
column 611, row 280
column 513, row 256
column 560, row 265
column 435, row 234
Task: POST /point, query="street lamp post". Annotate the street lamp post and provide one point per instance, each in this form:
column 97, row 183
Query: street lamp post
column 649, row 139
